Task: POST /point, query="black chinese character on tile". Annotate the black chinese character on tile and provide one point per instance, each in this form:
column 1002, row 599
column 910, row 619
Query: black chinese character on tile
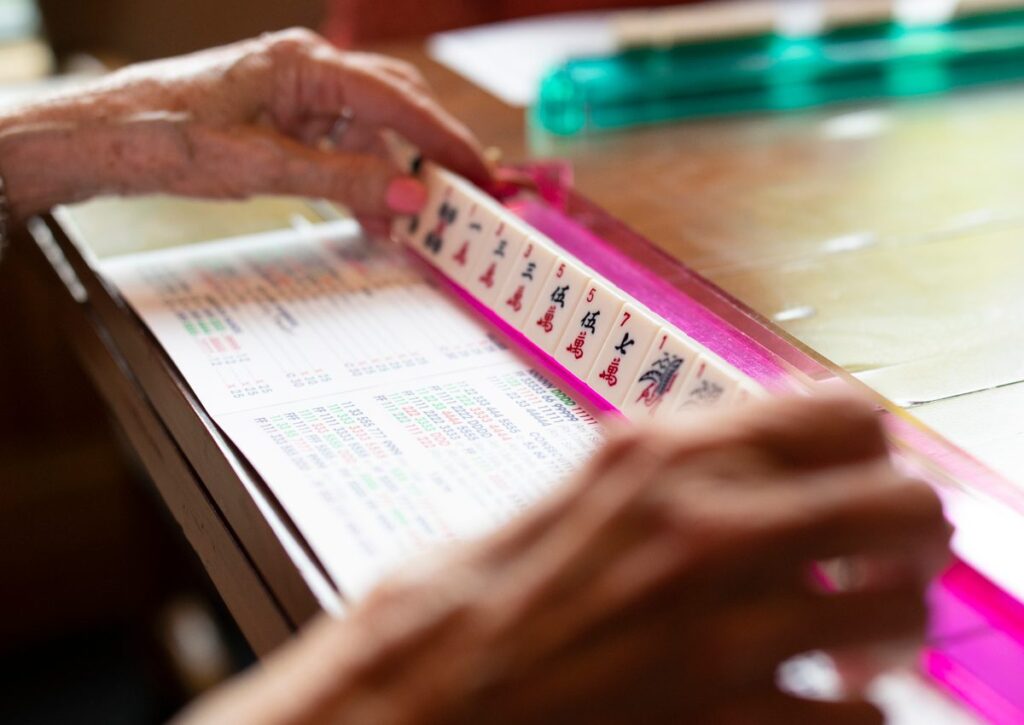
column 589, row 321
column 623, row 346
column 447, row 213
column 433, row 242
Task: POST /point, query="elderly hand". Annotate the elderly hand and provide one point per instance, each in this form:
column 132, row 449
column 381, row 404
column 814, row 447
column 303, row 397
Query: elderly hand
column 666, row 583
column 286, row 114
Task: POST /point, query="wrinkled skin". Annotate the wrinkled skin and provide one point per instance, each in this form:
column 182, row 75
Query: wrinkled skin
column 245, row 119
column 665, row 583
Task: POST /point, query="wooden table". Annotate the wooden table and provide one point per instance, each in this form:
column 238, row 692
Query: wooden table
column 681, row 185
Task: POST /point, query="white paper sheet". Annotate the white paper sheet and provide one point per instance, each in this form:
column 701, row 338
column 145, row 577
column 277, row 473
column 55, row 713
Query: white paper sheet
column 509, row 59
column 384, row 417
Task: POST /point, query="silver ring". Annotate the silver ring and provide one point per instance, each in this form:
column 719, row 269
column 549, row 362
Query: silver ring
column 340, row 126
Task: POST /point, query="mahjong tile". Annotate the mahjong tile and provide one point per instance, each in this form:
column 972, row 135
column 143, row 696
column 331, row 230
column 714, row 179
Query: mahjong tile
column 556, row 303
column 523, row 286
column 412, row 229
column 432, row 236
column 589, row 326
column 711, row 383
column 657, row 380
column 467, row 240
column 493, row 269
column 618, row 362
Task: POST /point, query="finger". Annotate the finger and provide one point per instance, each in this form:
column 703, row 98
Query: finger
column 747, row 644
column 859, row 667
column 242, row 162
column 751, row 445
column 888, row 568
column 381, row 99
column 769, row 525
column 777, row 707
column 399, row 70
column 823, row 430
column 861, row 511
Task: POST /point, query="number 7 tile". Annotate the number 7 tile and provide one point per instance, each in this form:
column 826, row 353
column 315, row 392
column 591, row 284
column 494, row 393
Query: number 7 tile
column 625, row 350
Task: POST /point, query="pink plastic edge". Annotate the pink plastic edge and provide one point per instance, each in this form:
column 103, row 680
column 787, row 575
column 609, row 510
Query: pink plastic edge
column 969, row 689
column 974, row 665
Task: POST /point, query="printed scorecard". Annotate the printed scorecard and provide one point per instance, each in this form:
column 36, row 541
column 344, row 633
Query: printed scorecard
column 384, row 416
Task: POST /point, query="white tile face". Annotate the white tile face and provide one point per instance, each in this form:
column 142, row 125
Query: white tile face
column 657, row 380
column 466, row 241
column 433, row 229
column 624, row 351
column 589, row 326
column 552, row 311
column 711, row 383
column 440, row 188
column 503, row 247
column 529, row 273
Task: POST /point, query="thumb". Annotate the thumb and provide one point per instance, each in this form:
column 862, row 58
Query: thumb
column 243, row 162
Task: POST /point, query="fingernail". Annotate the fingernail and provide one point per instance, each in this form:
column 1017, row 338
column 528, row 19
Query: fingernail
column 406, row 195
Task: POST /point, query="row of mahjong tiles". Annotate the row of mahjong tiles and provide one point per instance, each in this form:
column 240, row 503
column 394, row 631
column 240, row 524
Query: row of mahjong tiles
column 632, row 358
